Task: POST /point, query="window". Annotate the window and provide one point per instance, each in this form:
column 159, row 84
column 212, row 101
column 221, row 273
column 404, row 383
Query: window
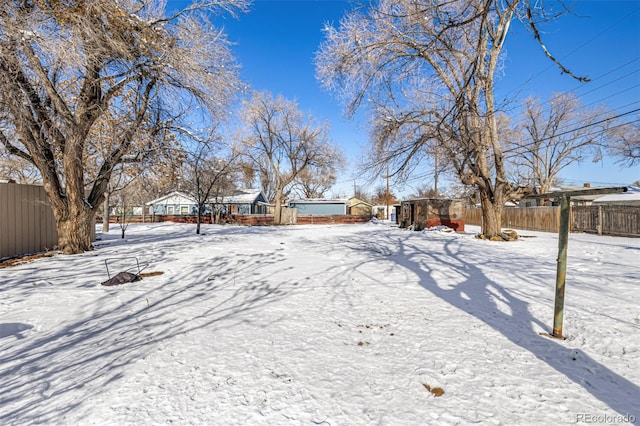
column 170, row 210
column 184, row 209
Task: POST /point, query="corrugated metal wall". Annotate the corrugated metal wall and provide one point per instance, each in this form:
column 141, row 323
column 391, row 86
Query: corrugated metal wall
column 27, row 224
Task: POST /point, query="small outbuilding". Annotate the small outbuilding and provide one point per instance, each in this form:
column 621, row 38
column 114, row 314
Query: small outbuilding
column 423, row 213
column 358, row 207
column 320, row 206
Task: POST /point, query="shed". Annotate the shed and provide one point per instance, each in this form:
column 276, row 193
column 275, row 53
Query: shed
column 320, row 206
column 423, row 213
column 358, row 207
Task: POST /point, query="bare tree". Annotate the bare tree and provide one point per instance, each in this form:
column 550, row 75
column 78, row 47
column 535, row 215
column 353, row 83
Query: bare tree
column 554, row 135
column 361, row 193
column 282, row 143
column 381, row 196
column 625, row 147
column 64, row 65
column 207, row 175
column 424, row 191
column 18, row 169
column 315, row 182
column 426, row 71
column 123, row 200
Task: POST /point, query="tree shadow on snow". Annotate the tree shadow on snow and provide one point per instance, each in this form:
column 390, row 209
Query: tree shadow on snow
column 45, row 377
column 478, row 295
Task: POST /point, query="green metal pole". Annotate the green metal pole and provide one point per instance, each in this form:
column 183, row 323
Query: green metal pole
column 561, row 274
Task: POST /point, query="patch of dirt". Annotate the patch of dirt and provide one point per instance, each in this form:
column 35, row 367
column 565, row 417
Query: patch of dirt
column 14, row 261
column 435, row 391
column 151, row 274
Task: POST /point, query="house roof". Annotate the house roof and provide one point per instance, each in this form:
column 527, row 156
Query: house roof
column 175, row 197
column 244, row 196
column 632, row 196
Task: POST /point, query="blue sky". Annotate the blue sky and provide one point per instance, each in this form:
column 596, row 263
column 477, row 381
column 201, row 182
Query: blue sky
column 276, row 41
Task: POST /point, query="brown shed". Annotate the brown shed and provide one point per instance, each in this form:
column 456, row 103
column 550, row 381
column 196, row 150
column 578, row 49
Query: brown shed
column 358, row 207
column 423, row 213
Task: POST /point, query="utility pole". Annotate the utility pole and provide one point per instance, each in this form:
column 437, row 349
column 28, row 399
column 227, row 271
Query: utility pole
column 435, row 172
column 387, row 195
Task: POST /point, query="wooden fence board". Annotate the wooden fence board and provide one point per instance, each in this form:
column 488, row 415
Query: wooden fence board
column 602, row 219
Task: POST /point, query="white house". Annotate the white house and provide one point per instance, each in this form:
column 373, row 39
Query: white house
column 175, row 203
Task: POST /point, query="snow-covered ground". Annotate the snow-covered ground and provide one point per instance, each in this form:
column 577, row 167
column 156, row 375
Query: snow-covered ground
column 335, row 325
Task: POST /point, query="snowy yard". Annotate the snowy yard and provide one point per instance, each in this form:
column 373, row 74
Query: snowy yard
column 335, row 325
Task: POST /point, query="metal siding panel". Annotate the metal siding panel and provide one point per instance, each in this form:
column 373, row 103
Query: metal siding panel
column 27, row 224
column 28, row 232
column 50, row 230
column 320, row 208
column 4, row 220
column 14, row 214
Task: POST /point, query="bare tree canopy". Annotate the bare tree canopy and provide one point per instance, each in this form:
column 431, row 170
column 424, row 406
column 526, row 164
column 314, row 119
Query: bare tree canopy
column 282, row 144
column 208, row 171
column 66, row 67
column 425, row 70
column 316, row 182
column 626, row 146
column 554, row 135
column 17, row 169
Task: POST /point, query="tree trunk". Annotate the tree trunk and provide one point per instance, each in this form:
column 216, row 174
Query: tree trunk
column 198, row 221
column 105, row 215
column 74, row 230
column 277, row 214
column 491, row 215
column 123, row 221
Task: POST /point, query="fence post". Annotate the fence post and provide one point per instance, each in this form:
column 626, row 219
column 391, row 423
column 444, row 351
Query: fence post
column 599, row 221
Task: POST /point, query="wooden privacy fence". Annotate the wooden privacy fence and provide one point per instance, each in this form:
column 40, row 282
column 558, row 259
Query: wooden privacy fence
column 602, row 219
column 545, row 219
column 607, row 220
column 27, row 224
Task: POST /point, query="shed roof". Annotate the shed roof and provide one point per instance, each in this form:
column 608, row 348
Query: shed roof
column 353, row 201
column 320, row 201
column 433, row 198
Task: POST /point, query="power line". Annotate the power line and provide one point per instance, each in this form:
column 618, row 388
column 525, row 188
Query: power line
column 576, row 49
column 586, row 126
column 548, row 138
